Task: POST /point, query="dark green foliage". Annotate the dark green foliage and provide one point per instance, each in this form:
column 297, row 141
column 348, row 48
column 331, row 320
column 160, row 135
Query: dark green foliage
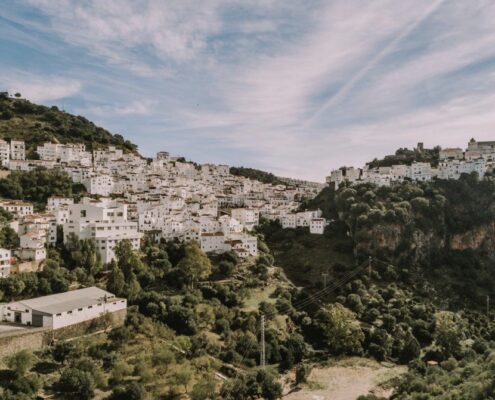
column 36, row 185
column 36, row 124
column 256, row 174
column 258, row 384
column 406, row 156
column 9, row 239
column 74, row 382
column 131, row 391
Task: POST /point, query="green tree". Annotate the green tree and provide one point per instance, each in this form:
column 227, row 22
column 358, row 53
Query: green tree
column 74, row 382
column 204, row 390
column 62, row 351
column 181, row 375
column 411, row 349
column 21, row 362
column 302, row 372
column 131, row 391
column 195, row 265
column 448, row 333
column 116, row 279
column 340, row 330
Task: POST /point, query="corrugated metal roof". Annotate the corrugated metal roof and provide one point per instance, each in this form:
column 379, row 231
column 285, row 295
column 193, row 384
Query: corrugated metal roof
column 61, row 302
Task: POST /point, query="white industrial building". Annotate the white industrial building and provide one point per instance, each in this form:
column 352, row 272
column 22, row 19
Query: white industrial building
column 64, row 309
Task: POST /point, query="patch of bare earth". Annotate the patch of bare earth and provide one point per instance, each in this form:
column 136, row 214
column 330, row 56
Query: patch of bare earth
column 347, row 380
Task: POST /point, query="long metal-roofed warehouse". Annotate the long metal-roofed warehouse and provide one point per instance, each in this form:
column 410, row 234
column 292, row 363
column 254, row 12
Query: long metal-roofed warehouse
column 63, row 309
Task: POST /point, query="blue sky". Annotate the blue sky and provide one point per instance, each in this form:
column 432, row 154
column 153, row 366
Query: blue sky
column 293, row 87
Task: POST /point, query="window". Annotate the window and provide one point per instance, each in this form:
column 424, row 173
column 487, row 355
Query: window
column 90, row 307
column 79, row 309
column 83, row 213
column 58, row 315
column 69, row 312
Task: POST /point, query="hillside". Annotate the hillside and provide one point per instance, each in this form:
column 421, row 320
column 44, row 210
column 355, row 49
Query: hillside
column 407, row 156
column 256, row 174
column 432, row 247
column 36, row 124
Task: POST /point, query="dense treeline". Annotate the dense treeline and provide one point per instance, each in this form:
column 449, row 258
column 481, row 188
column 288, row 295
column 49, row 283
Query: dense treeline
column 406, row 156
column 38, row 185
column 425, row 300
column 36, row 124
column 256, row 174
column 444, row 228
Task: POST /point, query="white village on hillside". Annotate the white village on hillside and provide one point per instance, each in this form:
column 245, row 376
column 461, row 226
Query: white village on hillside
column 478, row 157
column 169, row 199
column 128, row 196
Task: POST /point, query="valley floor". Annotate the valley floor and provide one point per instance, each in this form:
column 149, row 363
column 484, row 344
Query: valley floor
column 348, row 379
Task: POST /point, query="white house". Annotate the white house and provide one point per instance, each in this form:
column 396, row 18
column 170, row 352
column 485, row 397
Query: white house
column 17, row 150
column 107, row 224
column 249, row 218
column 5, row 256
column 64, row 309
column 55, row 202
column 451, row 154
column 101, row 184
column 421, row 171
column 213, row 242
column 4, row 152
column 32, row 246
column 243, row 244
column 18, row 208
column 288, row 221
column 317, row 226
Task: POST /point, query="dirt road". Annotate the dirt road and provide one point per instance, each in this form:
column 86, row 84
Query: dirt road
column 347, row 380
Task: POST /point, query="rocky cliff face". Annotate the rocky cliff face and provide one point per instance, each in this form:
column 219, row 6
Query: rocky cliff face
column 388, row 238
column 479, row 237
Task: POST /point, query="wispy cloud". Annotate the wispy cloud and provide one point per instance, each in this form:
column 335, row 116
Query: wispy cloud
column 42, row 88
column 294, row 87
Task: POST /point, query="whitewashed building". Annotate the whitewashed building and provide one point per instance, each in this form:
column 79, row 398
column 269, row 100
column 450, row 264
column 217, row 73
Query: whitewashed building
column 5, row 256
column 18, row 208
column 100, row 184
column 17, row 150
column 4, row 152
column 64, row 309
column 249, row 218
column 107, row 224
column 317, row 226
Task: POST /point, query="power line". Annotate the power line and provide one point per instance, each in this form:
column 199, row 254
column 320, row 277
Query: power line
column 301, row 304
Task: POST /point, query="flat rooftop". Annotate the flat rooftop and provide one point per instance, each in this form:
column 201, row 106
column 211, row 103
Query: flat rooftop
column 57, row 303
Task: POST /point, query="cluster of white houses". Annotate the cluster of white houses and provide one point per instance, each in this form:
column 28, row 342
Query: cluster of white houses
column 478, row 157
column 166, row 197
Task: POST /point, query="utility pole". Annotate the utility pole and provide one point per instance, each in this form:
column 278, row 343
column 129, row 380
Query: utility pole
column 325, row 275
column 262, row 352
column 369, row 267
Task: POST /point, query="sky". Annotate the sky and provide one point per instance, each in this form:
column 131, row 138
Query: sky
column 296, row 88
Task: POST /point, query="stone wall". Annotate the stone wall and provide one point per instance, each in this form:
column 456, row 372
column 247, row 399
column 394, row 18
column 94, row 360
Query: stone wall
column 36, row 338
column 29, row 339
